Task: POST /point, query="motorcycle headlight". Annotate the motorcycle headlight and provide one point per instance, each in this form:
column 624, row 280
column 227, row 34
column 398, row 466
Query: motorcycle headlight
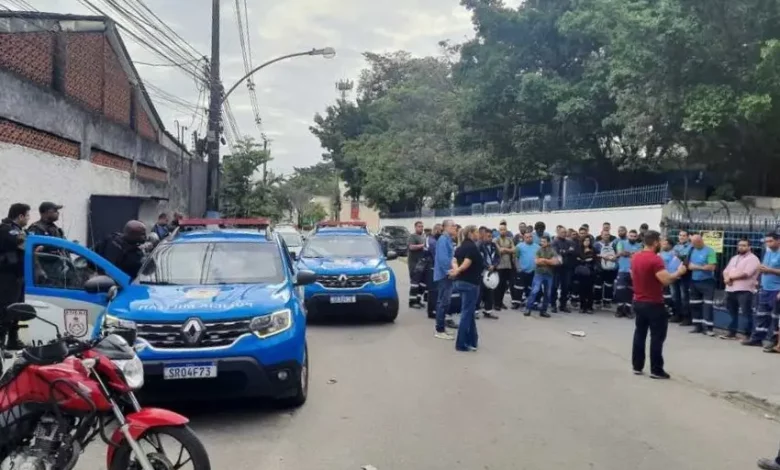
column 273, row 324
column 132, row 370
column 381, row 277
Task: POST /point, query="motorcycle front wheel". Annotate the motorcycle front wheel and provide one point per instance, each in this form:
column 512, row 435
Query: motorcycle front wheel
column 167, row 448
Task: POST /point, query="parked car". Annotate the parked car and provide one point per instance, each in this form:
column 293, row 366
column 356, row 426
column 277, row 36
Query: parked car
column 352, row 273
column 396, row 238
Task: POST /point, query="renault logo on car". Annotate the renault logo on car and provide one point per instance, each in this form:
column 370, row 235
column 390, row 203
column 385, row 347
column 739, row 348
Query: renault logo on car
column 343, row 279
column 192, row 331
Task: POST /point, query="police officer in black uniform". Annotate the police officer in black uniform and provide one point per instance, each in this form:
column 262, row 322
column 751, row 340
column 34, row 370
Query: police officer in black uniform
column 50, row 213
column 12, row 238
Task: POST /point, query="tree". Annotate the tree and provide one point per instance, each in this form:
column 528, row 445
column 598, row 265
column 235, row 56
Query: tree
column 312, row 213
column 241, row 194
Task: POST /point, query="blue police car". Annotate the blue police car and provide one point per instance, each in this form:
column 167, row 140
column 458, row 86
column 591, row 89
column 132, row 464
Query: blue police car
column 352, row 272
column 218, row 308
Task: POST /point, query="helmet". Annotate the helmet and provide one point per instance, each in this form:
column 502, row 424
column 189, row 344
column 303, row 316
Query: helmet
column 490, row 279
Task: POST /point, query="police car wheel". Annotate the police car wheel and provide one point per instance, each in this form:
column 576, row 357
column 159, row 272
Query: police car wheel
column 301, row 387
column 389, row 316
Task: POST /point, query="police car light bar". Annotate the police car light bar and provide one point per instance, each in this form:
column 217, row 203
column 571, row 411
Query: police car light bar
column 250, row 223
column 339, row 223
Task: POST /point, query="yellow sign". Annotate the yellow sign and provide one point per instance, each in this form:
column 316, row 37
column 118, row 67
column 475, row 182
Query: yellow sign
column 714, row 240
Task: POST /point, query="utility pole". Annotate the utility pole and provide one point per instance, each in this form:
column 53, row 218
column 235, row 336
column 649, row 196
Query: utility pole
column 265, row 162
column 215, row 118
column 343, row 87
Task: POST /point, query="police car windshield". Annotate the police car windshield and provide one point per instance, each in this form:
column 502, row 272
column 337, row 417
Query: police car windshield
column 292, row 238
column 213, row 263
column 341, row 246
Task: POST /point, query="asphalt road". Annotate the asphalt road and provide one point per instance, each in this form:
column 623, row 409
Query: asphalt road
column 532, row 397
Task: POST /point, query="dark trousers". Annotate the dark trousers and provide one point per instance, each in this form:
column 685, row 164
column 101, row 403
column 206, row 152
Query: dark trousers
column 681, row 296
column 11, row 292
column 521, row 288
column 702, row 304
column 624, row 289
column 652, row 318
column 561, row 282
column 766, row 317
column 607, row 283
column 431, row 296
column 585, row 287
column 415, row 280
column 505, row 280
column 487, row 296
column 736, row 302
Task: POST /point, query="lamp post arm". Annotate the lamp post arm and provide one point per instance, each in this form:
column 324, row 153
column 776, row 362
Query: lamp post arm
column 263, row 65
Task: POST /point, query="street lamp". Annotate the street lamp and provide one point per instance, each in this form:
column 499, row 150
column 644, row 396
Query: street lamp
column 326, row 52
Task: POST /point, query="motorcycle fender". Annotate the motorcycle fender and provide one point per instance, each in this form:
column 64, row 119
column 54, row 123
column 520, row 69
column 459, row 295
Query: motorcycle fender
column 141, row 421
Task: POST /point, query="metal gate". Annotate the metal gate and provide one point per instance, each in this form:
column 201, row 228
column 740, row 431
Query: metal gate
column 109, row 214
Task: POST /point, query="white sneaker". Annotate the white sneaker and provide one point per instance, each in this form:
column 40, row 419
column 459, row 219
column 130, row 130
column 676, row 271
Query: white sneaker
column 443, row 335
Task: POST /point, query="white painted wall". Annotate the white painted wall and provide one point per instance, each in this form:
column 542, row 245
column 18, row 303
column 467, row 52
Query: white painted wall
column 32, row 176
column 631, row 217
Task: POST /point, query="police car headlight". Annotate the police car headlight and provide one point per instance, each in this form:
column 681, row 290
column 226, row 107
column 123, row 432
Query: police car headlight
column 132, row 370
column 273, row 324
column 381, row 277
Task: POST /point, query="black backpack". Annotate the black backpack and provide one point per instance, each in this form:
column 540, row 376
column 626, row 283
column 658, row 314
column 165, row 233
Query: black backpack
column 101, row 246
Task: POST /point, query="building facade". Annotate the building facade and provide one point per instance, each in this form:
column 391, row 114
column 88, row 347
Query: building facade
column 78, row 128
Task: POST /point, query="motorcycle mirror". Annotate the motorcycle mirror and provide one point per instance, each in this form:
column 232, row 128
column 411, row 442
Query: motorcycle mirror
column 112, row 293
column 19, row 312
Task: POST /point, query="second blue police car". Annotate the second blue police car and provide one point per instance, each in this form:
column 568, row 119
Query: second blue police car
column 218, row 308
column 352, row 274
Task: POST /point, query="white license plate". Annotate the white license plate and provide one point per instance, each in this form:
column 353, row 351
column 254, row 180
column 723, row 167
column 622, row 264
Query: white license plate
column 343, row 299
column 189, row 370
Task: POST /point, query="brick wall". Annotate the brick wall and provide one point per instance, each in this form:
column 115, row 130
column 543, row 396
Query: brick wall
column 116, row 91
column 29, row 54
column 152, row 174
column 84, row 69
column 144, row 124
column 14, row 133
column 110, row 160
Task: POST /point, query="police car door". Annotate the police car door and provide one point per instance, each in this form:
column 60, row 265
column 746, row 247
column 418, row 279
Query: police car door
column 55, row 271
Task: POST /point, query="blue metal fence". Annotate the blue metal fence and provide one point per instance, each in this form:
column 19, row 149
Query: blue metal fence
column 636, row 196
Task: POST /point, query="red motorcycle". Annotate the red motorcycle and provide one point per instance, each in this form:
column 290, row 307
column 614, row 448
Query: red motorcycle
column 59, row 397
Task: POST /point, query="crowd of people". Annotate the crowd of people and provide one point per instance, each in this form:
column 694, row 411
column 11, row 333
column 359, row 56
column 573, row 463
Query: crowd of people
column 577, row 269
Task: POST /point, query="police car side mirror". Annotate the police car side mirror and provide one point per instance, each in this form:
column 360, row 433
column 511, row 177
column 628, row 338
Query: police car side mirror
column 99, row 285
column 304, row 277
column 391, row 255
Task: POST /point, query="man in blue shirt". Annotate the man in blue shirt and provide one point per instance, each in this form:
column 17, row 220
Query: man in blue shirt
column 526, row 264
column 539, row 232
column 766, row 312
column 445, row 251
column 681, row 288
column 702, row 262
column 671, row 262
column 624, row 291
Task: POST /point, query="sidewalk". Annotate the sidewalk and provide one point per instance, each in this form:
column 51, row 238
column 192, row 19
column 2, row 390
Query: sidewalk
column 724, row 368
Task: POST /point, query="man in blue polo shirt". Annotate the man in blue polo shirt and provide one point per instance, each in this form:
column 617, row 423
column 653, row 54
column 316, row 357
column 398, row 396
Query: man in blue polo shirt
column 681, row 288
column 445, row 251
column 765, row 329
column 624, row 292
column 526, row 265
column 702, row 262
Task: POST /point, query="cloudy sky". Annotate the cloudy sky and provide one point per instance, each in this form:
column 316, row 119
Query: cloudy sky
column 289, row 92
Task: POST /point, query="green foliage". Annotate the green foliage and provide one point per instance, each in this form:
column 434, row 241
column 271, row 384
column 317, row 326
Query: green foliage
column 567, row 87
column 312, row 213
column 242, row 194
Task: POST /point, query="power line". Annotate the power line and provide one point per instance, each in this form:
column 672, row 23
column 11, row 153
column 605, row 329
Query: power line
column 246, row 53
column 179, row 64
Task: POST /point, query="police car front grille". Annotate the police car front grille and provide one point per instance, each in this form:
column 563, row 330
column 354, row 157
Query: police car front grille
column 352, row 281
column 215, row 334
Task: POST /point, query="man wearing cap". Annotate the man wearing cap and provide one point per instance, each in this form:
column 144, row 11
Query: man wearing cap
column 50, row 213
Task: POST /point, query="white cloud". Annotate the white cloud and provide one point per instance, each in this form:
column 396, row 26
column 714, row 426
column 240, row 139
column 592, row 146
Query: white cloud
column 290, row 92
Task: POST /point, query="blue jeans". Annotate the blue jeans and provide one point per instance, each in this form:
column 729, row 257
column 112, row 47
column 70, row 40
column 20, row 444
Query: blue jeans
column 467, row 331
column 541, row 282
column 444, row 290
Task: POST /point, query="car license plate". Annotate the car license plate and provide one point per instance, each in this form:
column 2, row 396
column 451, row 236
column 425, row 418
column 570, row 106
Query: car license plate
column 343, row 299
column 189, row 370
